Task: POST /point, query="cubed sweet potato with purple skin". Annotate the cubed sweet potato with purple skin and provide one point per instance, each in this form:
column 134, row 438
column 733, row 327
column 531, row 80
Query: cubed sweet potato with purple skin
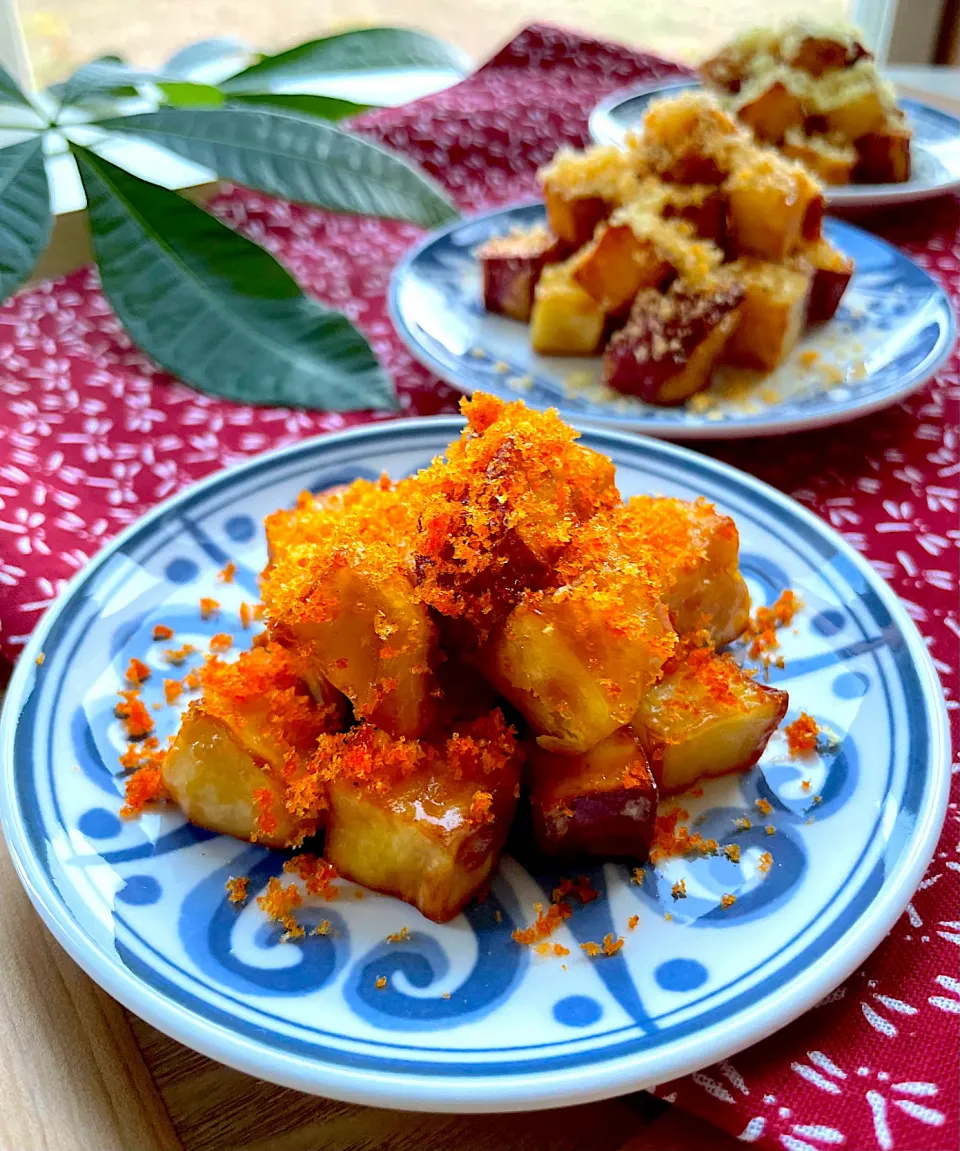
column 883, row 156
column 602, row 804
column 671, row 343
column 832, row 272
column 511, row 267
column 574, row 220
column 617, row 265
column 703, row 206
column 771, row 113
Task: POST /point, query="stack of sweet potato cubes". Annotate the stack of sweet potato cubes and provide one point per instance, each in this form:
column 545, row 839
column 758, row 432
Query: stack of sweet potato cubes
column 691, row 247
column 499, row 629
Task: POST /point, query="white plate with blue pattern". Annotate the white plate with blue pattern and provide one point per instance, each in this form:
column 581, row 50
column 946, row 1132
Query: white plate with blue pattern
column 894, row 329
column 934, row 149
column 469, row 1020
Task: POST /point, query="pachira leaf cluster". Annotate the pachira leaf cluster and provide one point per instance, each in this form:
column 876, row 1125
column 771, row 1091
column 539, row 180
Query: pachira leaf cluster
column 206, row 303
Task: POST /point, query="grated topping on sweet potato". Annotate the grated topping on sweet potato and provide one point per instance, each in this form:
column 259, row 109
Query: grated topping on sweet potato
column 802, row 734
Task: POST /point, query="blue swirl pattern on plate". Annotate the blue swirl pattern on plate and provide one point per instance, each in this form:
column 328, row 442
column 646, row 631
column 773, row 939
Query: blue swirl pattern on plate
column 894, row 329
column 460, row 1015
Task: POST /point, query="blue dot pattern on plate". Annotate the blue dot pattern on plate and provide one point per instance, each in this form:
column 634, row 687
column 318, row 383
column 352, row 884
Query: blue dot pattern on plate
column 463, row 997
column 577, row 1011
column 98, row 823
column 827, row 622
column 140, row 890
column 851, row 685
column 680, row 974
column 240, row 529
column 181, row 570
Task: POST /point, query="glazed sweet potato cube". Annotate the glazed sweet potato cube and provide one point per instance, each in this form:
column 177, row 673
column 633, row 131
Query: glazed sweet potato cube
column 856, row 111
column 566, row 319
column 771, row 111
column 698, row 549
column 830, row 160
column 729, row 67
column 617, row 265
column 671, row 343
column 702, row 205
column 425, row 823
column 832, row 272
column 601, row 804
column 235, row 761
column 772, row 205
column 344, row 604
column 685, row 138
column 820, row 53
column 574, row 221
column 773, row 313
column 499, row 512
column 511, row 266
column 883, row 155
column 706, row 718
column 573, row 661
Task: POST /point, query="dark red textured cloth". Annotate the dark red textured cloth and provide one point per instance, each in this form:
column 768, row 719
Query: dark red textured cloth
column 92, row 434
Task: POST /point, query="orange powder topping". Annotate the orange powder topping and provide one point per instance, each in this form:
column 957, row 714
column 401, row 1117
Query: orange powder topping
column 728, row 900
column 279, row 903
column 176, row 655
column 317, row 874
column 763, row 805
column 172, row 690
column 633, row 921
column 246, row 615
column 208, row 607
column 670, row 839
column 161, row 631
column 610, row 946
column 802, row 734
column 545, row 924
column 145, row 786
column 237, row 888
column 400, row 936
column 679, row 889
column 480, row 807
column 226, row 574
column 137, row 672
column 192, row 681
column 134, row 714
column 766, row 861
column 221, row 641
column 761, row 631
column 732, row 852
column 381, row 982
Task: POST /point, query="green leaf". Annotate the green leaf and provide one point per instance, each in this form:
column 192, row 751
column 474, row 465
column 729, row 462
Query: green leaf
column 294, row 157
column 186, row 61
column 10, row 90
column 105, row 75
column 215, row 309
column 301, row 103
column 365, row 50
column 187, row 94
column 25, row 217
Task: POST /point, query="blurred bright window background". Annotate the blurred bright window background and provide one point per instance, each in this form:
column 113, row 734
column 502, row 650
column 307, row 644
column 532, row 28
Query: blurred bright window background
column 61, row 34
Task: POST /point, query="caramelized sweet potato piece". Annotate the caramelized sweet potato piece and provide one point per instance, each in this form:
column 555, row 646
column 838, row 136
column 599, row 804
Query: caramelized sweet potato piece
column 773, row 205
column 729, row 68
column 239, row 751
column 832, row 272
column 770, row 112
column 566, row 319
column 830, row 160
column 511, row 266
column 671, row 343
column 702, row 205
column 343, row 602
column 706, row 718
column 617, row 265
column 423, row 822
column 818, row 54
column 883, row 155
column 698, row 549
column 686, row 137
column 574, row 661
column 582, row 188
column 773, row 313
column 602, row 803
column 856, row 111
column 574, row 221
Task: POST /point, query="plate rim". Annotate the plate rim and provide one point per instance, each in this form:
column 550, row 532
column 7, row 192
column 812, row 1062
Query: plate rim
column 851, row 197
column 702, row 429
column 523, row 1091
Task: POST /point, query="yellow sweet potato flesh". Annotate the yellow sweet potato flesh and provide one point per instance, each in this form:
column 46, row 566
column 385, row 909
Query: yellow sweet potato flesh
column 566, row 319
column 773, row 314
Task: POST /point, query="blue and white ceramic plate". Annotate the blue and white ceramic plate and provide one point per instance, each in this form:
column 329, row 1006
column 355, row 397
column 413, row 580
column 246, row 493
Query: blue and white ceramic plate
column 935, row 147
column 469, row 1020
column 893, row 331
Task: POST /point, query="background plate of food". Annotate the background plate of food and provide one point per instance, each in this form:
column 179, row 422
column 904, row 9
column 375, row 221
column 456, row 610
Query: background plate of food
column 816, row 94
column 893, row 329
column 561, row 981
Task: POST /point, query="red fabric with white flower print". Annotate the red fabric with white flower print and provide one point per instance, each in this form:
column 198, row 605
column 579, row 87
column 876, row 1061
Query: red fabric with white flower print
column 92, row 434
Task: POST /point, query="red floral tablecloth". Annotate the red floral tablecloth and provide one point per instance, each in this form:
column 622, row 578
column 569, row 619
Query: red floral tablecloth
column 92, row 434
